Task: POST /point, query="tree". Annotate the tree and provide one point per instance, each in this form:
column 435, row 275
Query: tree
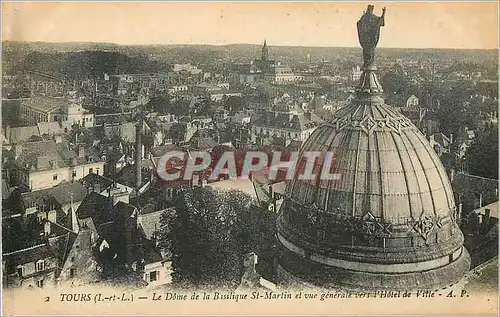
column 396, row 84
column 179, row 108
column 160, row 103
column 177, row 132
column 482, row 156
column 204, row 107
column 233, row 104
column 208, row 235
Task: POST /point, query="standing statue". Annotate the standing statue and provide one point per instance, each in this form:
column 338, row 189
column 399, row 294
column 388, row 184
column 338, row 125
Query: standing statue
column 369, row 32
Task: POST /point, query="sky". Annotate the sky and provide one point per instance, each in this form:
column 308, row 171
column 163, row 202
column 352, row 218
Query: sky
column 472, row 25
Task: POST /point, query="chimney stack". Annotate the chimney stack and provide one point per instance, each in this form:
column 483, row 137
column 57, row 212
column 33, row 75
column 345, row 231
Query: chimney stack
column 138, row 155
column 452, row 174
column 459, row 216
column 81, row 151
column 7, row 133
column 250, row 262
column 18, row 149
column 487, row 218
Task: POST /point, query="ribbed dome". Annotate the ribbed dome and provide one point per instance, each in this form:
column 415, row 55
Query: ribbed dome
column 391, row 213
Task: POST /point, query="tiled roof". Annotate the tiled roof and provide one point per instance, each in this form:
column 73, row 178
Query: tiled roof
column 92, row 179
column 158, row 151
column 63, row 244
column 62, row 193
column 49, row 128
column 126, row 176
column 150, row 221
column 468, row 188
column 201, row 143
column 122, row 208
column 28, row 255
column 442, row 139
column 46, row 104
column 296, row 122
column 47, row 155
column 97, row 207
column 108, row 231
column 151, row 254
column 21, row 134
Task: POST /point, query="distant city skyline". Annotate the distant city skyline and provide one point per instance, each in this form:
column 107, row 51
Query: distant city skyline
column 459, row 25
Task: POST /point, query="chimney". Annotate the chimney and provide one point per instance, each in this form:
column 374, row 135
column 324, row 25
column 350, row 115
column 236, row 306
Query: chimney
column 250, row 277
column 250, row 262
column 452, row 174
column 451, row 137
column 7, row 133
column 81, row 151
column 46, row 228
column 18, row 149
column 459, row 216
column 138, row 156
column 480, row 200
column 74, row 220
column 487, row 218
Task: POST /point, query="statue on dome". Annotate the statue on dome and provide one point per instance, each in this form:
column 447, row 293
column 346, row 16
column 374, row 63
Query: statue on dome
column 369, row 32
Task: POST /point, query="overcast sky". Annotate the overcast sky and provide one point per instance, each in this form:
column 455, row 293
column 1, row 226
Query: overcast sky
column 410, row 24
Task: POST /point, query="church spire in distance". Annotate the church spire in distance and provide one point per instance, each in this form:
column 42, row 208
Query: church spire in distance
column 265, row 51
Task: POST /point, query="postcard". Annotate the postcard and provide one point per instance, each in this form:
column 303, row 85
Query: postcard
column 249, row 158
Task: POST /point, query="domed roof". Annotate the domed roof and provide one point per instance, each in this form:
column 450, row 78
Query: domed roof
column 391, row 211
column 387, row 166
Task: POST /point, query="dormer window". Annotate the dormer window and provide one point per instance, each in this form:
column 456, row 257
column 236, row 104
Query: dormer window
column 40, row 265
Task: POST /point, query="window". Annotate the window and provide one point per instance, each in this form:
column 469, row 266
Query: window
column 72, row 272
column 153, row 276
column 54, row 177
column 73, row 174
column 97, row 171
column 20, row 271
column 40, row 265
column 39, row 283
column 91, row 170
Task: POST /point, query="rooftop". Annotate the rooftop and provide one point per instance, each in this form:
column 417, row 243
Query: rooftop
column 32, row 254
column 46, row 104
column 127, row 176
column 93, row 179
column 296, row 122
column 97, row 207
